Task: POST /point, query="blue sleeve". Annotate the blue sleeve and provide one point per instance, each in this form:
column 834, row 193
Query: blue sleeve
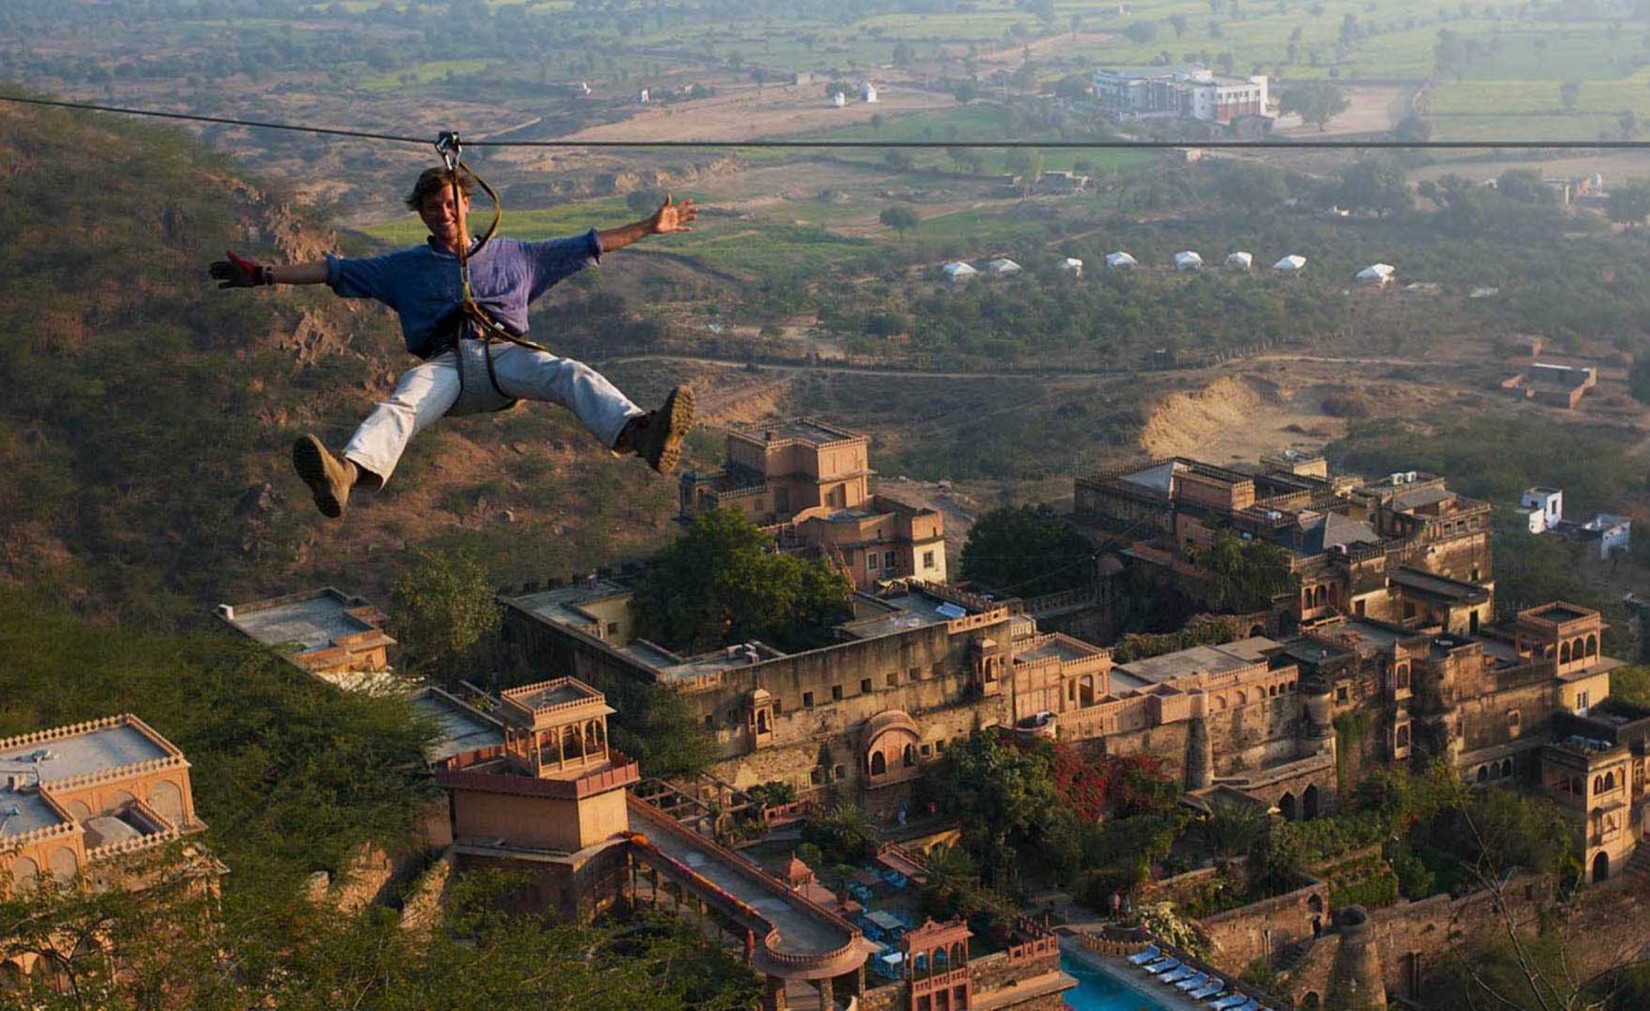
column 374, row 277
column 559, row 259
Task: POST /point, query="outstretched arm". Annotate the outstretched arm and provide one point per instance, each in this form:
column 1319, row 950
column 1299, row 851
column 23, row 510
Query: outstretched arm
column 239, row 272
column 670, row 217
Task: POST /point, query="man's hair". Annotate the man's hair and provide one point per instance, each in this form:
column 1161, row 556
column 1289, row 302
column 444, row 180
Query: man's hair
column 434, row 180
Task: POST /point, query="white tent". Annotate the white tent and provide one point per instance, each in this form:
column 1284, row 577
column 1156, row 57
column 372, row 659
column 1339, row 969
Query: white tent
column 1188, row 260
column 1072, row 265
column 1239, row 261
column 1119, row 260
column 1003, row 267
column 1376, row 273
column 1290, row 263
column 958, row 271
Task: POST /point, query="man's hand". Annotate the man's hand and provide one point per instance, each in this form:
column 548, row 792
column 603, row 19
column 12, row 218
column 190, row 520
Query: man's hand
column 239, row 272
column 672, row 217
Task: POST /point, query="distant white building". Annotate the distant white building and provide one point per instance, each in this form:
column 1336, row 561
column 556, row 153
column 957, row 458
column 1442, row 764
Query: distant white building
column 1239, row 261
column 1188, row 260
column 1612, row 532
column 1542, row 507
column 1378, row 274
column 1119, row 260
column 1003, row 267
column 1072, row 265
column 644, row 96
column 957, row 272
column 1289, row 264
column 868, row 93
column 1179, row 91
column 838, row 99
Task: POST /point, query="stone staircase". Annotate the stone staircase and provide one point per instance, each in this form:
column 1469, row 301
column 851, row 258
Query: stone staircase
column 1638, row 865
column 1290, row 958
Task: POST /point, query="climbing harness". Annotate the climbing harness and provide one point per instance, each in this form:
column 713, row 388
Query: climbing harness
column 478, row 332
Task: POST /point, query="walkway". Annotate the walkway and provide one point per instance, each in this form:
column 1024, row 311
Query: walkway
column 812, row 937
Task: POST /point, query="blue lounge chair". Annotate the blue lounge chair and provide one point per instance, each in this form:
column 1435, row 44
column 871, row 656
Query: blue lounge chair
column 1209, row 989
column 1231, row 1000
column 1158, row 968
column 1159, row 963
column 1192, row 982
column 1250, row 1005
column 1142, row 957
column 1176, row 975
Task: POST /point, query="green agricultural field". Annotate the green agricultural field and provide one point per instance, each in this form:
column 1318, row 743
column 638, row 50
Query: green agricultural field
column 423, row 73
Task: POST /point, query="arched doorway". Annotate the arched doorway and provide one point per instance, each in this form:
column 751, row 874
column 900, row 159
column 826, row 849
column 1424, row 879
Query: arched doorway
column 1286, row 806
column 1601, row 867
column 1309, row 802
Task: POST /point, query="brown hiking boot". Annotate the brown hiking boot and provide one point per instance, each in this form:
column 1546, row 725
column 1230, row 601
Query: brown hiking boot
column 329, row 477
column 657, row 435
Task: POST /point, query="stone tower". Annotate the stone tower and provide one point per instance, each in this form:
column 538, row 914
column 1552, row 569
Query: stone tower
column 1355, row 981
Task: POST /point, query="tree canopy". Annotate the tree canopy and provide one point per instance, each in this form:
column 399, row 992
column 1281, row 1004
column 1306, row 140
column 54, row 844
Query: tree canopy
column 441, row 610
column 724, row 581
column 1317, row 102
column 1026, row 550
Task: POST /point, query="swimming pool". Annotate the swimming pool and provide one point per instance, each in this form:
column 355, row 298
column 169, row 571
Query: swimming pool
column 1100, row 991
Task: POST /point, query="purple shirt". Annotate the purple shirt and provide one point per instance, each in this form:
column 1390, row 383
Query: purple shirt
column 422, row 284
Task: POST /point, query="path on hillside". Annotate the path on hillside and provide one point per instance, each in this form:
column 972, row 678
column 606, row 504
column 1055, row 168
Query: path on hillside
column 1033, row 373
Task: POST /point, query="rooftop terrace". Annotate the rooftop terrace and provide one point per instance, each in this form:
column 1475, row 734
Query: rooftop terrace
column 312, row 621
column 28, row 761
column 1207, row 660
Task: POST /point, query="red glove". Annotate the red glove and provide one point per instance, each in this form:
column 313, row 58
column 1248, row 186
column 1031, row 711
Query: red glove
column 238, row 272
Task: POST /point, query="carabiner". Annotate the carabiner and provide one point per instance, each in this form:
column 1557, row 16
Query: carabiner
column 451, row 150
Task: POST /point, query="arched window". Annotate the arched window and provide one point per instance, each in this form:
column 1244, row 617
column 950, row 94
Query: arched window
column 1403, row 675
column 959, row 955
column 1506, row 769
column 1592, row 645
column 942, row 961
column 1321, row 597
column 1483, row 774
column 1085, row 690
column 1403, row 735
column 1598, row 784
column 910, row 755
column 1609, row 781
column 1242, row 698
column 1272, row 691
column 1564, row 653
column 879, row 764
column 919, row 966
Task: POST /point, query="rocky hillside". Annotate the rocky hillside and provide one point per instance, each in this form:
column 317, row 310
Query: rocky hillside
column 145, row 429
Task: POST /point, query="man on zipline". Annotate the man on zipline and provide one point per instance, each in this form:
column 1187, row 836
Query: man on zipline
column 424, row 286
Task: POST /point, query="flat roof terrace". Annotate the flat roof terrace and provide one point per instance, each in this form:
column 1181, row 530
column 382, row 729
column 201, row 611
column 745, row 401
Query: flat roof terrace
column 1209, row 660
column 311, row 622
column 906, row 611
column 460, row 729
column 100, row 749
column 563, row 604
column 1062, row 648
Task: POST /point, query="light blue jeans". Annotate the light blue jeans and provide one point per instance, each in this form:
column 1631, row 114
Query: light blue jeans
column 429, row 390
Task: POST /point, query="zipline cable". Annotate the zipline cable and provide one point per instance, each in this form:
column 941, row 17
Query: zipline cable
column 881, row 145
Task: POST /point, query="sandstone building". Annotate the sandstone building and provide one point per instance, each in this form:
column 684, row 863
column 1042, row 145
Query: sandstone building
column 554, row 806
column 79, row 804
column 809, row 483
column 338, row 638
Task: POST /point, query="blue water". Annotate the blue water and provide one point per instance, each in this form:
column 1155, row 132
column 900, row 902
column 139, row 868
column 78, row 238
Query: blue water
column 1099, row 991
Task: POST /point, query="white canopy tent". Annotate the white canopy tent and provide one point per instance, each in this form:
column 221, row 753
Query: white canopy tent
column 1376, row 273
column 1239, row 261
column 1119, row 260
column 1290, row 264
column 1188, row 260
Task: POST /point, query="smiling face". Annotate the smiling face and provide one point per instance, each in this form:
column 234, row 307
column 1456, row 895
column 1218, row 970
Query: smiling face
column 444, row 219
